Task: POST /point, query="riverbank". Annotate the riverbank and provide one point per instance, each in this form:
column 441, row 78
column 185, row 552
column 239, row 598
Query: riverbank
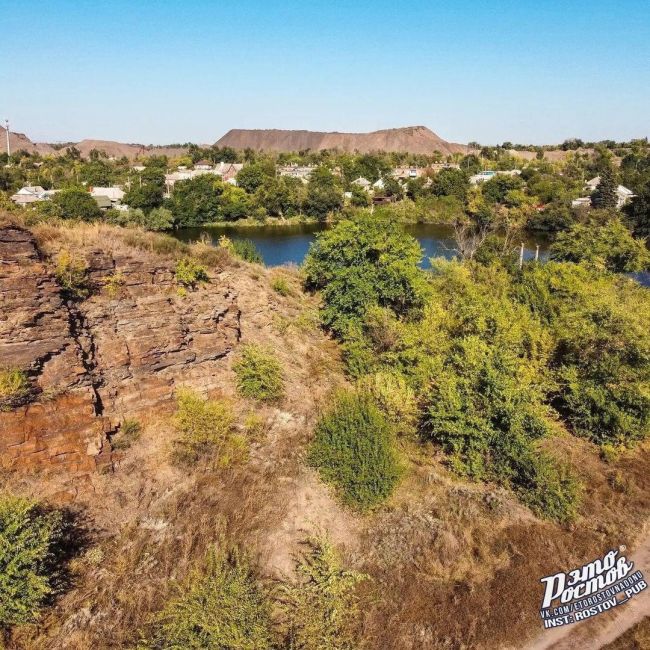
column 270, row 222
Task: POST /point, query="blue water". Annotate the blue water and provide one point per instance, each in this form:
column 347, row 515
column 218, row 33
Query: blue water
column 280, row 245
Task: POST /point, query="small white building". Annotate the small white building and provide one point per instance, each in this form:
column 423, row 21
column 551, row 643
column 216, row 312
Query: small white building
column 303, row 172
column 486, row 175
column 203, row 165
column 29, row 194
column 623, row 194
column 226, row 171
column 363, row 183
column 114, row 194
column 378, row 184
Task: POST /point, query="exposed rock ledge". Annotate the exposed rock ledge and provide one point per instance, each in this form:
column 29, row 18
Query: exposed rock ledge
column 96, row 361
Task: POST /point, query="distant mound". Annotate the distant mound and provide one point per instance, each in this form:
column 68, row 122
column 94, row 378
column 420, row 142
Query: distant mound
column 412, row 139
column 131, row 151
column 18, row 141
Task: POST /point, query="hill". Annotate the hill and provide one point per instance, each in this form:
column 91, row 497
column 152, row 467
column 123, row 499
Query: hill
column 413, row 139
column 452, row 563
column 18, row 141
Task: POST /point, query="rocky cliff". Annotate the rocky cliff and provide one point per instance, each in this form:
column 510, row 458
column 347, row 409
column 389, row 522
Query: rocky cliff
column 93, row 362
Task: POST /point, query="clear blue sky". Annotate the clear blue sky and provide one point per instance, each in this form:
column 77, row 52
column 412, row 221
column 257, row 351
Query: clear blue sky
column 160, row 71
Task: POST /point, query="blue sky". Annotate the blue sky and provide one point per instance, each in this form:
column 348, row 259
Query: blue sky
column 162, row 72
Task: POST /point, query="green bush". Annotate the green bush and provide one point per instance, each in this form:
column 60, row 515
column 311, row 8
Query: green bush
column 218, row 608
column 354, row 450
column 157, row 219
column 321, row 608
column 76, row 204
column 259, row 374
column 600, row 359
column 14, row 387
column 28, row 571
column 70, row 273
column 246, row 250
column 610, row 246
column 189, row 273
column 205, row 427
column 361, row 264
column 280, row 285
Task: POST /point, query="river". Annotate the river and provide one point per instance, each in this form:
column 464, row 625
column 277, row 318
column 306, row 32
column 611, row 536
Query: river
column 289, row 244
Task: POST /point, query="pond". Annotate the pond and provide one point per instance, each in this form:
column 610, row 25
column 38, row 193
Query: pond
column 289, row 244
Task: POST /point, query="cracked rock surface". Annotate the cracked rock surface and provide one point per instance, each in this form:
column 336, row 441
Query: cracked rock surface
column 96, row 361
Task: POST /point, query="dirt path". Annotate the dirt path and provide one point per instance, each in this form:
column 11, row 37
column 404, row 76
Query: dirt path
column 597, row 632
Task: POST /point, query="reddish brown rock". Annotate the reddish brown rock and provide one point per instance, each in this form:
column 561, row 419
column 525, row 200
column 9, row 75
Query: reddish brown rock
column 96, row 361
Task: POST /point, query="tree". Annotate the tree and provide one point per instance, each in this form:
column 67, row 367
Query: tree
column 361, row 263
column 235, row 203
column 250, row 177
column 604, row 196
column 145, row 197
column 610, row 246
column 496, row 189
column 280, row 196
column 197, row 200
column 450, row 182
column 77, row 204
column 360, row 198
column 638, row 212
column 323, row 194
column 158, row 219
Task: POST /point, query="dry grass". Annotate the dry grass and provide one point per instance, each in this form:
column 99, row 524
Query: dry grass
column 636, row 638
column 115, row 240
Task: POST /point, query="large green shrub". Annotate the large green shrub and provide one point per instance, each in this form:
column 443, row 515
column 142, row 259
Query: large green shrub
column 76, row 204
column 600, row 360
column 28, row 573
column 320, row 609
column 259, row 374
column 219, row 607
column 354, row 450
column 487, row 414
column 363, row 263
column 610, row 246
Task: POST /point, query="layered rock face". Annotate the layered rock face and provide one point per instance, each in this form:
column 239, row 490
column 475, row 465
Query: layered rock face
column 96, row 361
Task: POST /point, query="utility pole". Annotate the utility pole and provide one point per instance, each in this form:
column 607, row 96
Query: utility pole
column 537, row 253
column 7, row 133
column 521, row 256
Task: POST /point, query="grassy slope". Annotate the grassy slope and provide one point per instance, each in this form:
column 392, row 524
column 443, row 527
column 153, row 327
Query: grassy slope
column 454, row 564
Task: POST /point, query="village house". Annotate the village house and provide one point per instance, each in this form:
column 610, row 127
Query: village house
column 226, row 171
column 486, row 175
column 31, row 194
column 303, row 172
column 438, row 167
column 404, row 173
column 203, row 165
column 623, row 194
column 113, row 194
column 363, row 183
